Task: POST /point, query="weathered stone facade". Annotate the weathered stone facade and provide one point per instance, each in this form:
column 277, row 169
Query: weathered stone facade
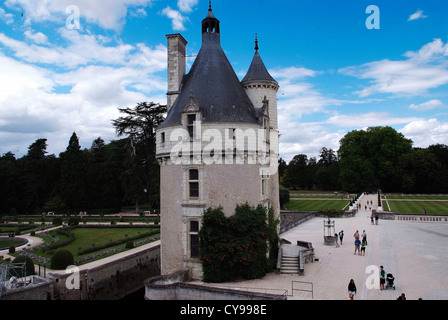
column 217, row 147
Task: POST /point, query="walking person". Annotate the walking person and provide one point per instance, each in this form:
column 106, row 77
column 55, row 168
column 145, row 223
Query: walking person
column 376, row 219
column 341, row 236
column 364, row 235
column 351, row 289
column 336, row 239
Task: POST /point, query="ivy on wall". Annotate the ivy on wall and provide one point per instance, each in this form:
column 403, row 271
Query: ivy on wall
column 244, row 245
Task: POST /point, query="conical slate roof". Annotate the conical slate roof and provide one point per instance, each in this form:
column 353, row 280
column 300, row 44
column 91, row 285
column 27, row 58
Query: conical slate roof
column 213, row 84
column 257, row 69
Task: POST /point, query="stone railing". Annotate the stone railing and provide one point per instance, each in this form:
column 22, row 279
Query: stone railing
column 410, row 217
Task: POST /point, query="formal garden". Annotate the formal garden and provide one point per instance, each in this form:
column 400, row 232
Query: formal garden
column 85, row 239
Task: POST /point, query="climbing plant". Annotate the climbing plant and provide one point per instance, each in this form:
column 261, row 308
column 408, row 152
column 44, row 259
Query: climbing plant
column 243, row 245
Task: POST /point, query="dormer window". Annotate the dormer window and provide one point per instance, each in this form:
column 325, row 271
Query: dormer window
column 191, row 119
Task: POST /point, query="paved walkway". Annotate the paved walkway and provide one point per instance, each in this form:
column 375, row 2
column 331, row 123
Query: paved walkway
column 414, row 252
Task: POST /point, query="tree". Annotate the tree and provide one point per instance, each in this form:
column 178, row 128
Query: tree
column 74, row 191
column 300, row 172
column 369, row 159
column 141, row 175
column 36, row 176
column 9, row 183
column 420, row 172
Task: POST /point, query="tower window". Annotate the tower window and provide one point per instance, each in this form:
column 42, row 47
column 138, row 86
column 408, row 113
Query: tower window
column 193, row 183
column 194, row 239
column 162, row 137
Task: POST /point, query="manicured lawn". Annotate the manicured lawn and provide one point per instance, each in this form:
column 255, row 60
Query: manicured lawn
column 86, row 237
column 418, row 197
column 5, row 243
column 416, row 203
column 316, row 205
column 98, row 241
column 418, row 207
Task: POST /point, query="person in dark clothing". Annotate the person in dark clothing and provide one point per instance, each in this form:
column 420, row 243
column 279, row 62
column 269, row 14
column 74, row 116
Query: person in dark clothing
column 351, row 289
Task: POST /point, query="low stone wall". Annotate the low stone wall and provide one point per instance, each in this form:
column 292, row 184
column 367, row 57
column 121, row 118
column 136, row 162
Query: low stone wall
column 111, row 281
column 410, row 217
column 176, row 287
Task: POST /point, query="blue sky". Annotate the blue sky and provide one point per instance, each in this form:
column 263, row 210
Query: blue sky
column 335, row 74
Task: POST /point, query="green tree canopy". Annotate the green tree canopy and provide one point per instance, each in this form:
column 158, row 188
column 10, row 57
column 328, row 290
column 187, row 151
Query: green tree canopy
column 369, row 159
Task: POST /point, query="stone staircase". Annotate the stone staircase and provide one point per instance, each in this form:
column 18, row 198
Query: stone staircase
column 290, row 265
column 292, row 258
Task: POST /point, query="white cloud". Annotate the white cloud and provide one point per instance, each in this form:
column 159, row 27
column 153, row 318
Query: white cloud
column 8, row 18
column 187, row 5
column 428, row 105
column 37, row 37
column 426, row 132
column 369, row 119
column 423, row 70
column 417, row 15
column 177, row 19
column 108, row 14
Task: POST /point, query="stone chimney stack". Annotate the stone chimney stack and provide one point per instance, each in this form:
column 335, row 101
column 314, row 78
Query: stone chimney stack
column 176, row 66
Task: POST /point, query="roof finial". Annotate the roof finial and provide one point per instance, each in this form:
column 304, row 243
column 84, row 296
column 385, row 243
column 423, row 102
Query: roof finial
column 210, row 5
column 256, row 42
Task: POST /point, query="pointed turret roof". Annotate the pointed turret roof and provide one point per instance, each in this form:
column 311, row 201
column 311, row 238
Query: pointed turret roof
column 257, row 70
column 214, row 84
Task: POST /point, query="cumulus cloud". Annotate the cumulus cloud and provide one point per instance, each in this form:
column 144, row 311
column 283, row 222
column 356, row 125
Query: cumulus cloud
column 177, row 19
column 423, row 70
column 108, row 14
column 426, row 132
column 187, row 5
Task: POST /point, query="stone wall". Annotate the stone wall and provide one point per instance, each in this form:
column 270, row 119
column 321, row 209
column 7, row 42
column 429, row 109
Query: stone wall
column 113, row 280
column 176, row 287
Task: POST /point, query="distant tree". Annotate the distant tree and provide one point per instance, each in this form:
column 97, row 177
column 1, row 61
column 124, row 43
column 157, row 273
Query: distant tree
column 368, row 159
column 9, row 183
column 420, row 172
column 37, row 176
column 74, row 190
column 141, row 175
column 299, row 173
column 327, row 157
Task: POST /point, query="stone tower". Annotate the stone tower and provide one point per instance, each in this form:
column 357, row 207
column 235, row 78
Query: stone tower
column 216, row 147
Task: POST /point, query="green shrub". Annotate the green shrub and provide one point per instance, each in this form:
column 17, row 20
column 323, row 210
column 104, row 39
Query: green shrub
column 57, row 221
column 61, row 259
column 12, row 249
column 284, row 196
column 129, row 245
column 73, row 221
column 238, row 246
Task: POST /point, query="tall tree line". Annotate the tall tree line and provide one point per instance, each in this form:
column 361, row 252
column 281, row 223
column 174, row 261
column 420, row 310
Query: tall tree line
column 376, row 158
column 103, row 178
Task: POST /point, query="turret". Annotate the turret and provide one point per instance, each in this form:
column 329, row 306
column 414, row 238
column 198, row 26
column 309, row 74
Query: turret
column 260, row 86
